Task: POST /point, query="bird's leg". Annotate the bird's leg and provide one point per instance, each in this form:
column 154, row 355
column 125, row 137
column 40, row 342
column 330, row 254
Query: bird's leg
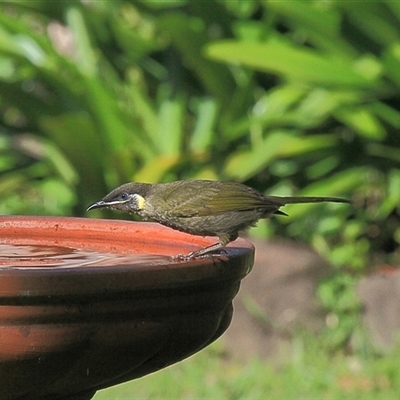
column 198, row 253
column 223, row 241
column 204, row 250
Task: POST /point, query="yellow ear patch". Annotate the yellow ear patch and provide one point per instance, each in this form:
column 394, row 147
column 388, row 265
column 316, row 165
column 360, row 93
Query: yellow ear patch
column 140, row 201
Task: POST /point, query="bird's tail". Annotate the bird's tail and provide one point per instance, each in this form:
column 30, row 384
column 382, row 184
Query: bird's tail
column 305, row 199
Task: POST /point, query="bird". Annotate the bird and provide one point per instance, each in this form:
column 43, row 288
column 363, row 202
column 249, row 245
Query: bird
column 201, row 207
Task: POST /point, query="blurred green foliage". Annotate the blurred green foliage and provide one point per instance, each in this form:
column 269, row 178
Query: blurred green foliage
column 308, row 372
column 288, row 97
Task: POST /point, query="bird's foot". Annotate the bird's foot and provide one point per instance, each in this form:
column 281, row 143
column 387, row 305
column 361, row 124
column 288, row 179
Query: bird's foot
column 197, row 255
column 179, row 257
column 189, row 257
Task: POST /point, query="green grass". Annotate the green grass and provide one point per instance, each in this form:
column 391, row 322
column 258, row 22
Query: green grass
column 308, row 373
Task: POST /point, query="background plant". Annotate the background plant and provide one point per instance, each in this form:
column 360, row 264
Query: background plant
column 289, row 97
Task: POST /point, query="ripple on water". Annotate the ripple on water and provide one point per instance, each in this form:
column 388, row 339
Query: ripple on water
column 41, row 256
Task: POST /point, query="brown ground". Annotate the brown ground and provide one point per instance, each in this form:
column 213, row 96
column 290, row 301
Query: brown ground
column 278, row 296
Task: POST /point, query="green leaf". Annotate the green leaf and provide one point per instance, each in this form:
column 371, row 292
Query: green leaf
column 207, row 112
column 155, row 170
column 389, row 153
column 391, row 61
column 170, row 125
column 85, row 57
column 361, row 121
column 375, row 20
column 387, row 113
column 338, row 184
column 391, row 199
column 320, row 23
column 189, row 35
column 141, row 104
column 394, row 7
column 76, row 135
column 277, row 56
column 277, row 144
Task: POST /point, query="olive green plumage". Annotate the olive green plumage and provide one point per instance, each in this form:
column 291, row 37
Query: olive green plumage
column 201, row 207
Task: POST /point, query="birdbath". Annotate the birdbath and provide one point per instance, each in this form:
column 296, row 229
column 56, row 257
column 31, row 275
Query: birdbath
column 86, row 304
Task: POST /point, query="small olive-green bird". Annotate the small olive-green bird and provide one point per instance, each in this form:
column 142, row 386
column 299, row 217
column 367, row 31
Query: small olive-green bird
column 201, row 207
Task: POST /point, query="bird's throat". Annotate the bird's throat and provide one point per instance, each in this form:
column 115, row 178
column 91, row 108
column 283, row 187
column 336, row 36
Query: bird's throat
column 140, row 202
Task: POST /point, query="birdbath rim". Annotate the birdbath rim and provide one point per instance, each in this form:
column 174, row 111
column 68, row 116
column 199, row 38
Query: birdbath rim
column 113, row 237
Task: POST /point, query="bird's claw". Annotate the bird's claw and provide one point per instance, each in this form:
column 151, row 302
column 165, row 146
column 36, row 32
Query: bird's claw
column 188, row 257
column 180, row 257
column 195, row 256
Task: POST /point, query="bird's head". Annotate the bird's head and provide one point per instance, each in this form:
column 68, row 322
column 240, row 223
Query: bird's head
column 129, row 198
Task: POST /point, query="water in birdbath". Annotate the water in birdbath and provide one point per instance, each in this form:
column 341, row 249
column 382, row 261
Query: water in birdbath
column 23, row 256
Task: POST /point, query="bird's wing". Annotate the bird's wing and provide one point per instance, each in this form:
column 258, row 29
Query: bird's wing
column 214, row 198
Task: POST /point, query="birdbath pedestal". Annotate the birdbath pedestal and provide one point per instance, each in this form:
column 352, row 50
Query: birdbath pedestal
column 86, row 304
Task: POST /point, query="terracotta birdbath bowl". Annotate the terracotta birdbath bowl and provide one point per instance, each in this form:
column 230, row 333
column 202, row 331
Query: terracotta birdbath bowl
column 86, row 304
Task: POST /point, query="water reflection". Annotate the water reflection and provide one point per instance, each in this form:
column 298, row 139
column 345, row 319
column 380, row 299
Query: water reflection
column 39, row 256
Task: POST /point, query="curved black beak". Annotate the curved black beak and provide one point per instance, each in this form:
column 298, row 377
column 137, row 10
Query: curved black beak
column 98, row 204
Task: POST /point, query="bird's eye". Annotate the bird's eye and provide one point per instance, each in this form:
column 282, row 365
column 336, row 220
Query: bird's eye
column 123, row 196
